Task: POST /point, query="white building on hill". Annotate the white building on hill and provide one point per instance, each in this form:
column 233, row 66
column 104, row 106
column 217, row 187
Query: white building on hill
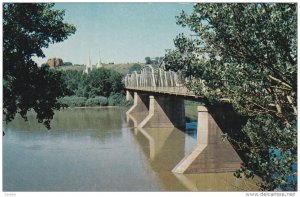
column 99, row 65
column 88, row 66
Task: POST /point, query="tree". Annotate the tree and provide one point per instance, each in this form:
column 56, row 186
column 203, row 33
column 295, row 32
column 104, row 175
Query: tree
column 247, row 55
column 27, row 28
column 103, row 82
column 135, row 67
column 73, row 80
column 148, row 60
column 67, row 64
column 99, row 82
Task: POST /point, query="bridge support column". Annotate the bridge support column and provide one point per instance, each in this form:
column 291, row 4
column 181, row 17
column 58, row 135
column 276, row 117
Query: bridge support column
column 165, row 112
column 129, row 95
column 212, row 154
column 140, row 108
column 140, row 104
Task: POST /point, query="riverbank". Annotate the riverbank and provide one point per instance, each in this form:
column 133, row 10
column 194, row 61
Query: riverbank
column 190, row 109
column 96, row 107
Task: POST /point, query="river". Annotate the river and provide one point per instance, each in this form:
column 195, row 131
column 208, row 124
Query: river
column 98, row 149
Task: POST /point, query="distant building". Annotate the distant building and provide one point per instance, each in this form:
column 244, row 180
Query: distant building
column 99, row 65
column 88, row 66
column 54, row 62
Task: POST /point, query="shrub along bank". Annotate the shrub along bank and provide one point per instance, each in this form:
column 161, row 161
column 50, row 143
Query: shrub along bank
column 100, row 87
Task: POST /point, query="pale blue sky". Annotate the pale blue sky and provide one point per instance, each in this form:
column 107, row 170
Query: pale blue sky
column 124, row 32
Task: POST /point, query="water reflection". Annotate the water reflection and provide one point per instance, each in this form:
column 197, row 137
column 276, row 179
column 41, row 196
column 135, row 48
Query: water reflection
column 191, row 129
column 166, row 147
column 74, row 119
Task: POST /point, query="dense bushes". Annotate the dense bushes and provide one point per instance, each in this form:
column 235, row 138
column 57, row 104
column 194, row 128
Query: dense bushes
column 100, row 87
column 113, row 100
column 72, row 101
column 135, row 67
column 97, row 101
column 118, row 99
column 99, row 82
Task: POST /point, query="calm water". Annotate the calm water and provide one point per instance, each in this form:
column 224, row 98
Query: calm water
column 100, row 150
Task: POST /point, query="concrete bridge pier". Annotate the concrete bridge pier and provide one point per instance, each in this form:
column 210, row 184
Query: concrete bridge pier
column 129, row 95
column 140, row 108
column 211, row 154
column 140, row 103
column 165, row 112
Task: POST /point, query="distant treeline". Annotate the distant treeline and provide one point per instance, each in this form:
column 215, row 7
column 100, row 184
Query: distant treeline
column 156, row 60
column 99, row 87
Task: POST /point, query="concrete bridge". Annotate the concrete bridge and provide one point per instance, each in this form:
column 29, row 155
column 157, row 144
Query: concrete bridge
column 158, row 97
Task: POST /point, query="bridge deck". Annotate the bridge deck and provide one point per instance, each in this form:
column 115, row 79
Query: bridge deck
column 178, row 91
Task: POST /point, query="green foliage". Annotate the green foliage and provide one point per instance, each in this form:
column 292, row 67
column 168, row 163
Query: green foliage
column 72, row 101
column 74, row 81
column 135, row 67
column 99, row 82
column 147, row 60
column 246, row 54
column 67, row 64
column 117, row 99
column 97, row 101
column 156, row 60
column 95, row 87
column 270, row 137
column 102, row 82
column 27, row 28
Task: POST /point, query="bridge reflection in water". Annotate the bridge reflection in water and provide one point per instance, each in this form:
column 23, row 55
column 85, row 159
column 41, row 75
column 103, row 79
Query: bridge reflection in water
column 166, row 147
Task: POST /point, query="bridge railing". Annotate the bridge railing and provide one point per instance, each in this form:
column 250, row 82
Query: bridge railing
column 158, row 80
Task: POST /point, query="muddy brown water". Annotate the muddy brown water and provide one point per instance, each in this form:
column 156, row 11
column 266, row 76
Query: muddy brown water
column 100, row 150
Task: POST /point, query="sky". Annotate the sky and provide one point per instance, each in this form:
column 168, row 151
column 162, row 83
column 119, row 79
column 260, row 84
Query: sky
column 122, row 32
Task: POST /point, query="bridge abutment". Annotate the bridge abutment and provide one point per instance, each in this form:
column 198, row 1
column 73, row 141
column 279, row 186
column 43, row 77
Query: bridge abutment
column 165, row 112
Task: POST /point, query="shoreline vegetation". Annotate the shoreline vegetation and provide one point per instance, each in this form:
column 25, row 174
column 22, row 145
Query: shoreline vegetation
column 88, row 107
column 117, row 99
column 99, row 87
column 190, row 108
